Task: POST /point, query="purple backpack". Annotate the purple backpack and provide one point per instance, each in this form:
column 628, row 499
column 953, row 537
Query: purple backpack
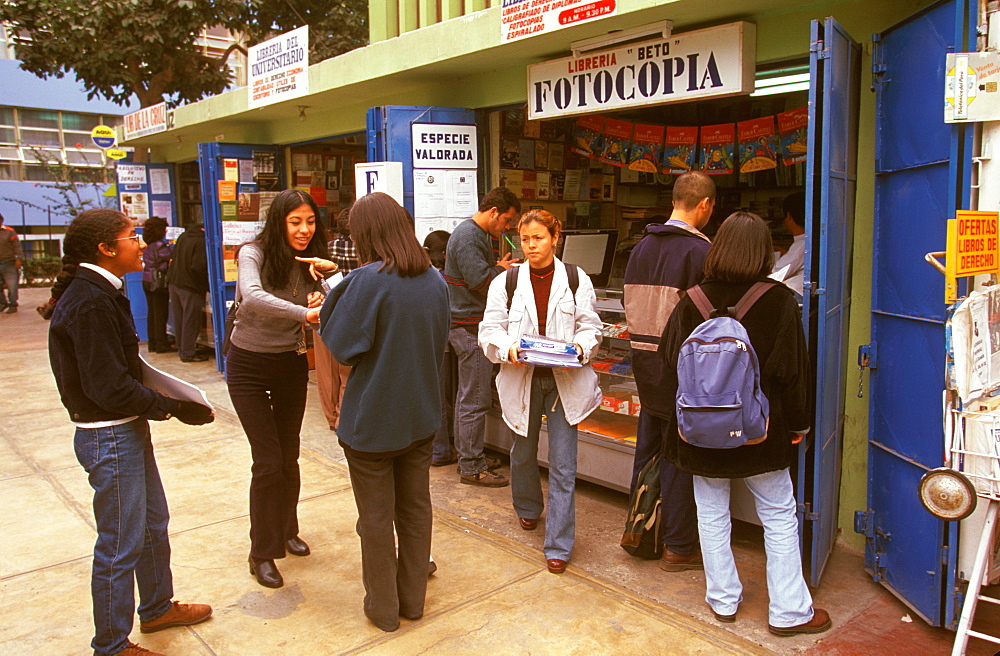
column 719, row 401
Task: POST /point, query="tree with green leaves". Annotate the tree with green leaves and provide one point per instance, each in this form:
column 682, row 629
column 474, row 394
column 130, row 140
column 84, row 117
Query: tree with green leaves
column 117, row 48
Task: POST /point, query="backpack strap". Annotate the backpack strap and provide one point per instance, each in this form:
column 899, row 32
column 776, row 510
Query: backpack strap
column 573, row 274
column 511, row 284
column 752, row 296
column 701, row 301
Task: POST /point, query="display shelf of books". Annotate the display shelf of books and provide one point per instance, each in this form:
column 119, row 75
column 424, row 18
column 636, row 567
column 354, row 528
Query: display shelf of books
column 189, row 192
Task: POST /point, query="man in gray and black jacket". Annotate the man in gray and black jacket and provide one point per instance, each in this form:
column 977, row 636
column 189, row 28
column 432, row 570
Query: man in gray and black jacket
column 469, row 266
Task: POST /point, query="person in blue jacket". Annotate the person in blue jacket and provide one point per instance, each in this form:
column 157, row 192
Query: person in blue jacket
column 389, row 321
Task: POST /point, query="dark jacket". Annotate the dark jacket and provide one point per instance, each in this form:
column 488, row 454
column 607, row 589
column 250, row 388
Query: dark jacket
column 662, row 266
column 189, row 268
column 775, row 329
column 94, row 353
column 392, row 330
column 470, row 265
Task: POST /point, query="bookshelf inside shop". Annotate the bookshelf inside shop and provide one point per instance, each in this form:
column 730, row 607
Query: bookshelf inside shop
column 189, row 192
column 614, row 173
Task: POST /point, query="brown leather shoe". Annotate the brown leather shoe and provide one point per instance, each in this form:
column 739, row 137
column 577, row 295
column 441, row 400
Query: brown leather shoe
column 728, row 619
column 528, row 524
column 486, row 478
column 556, row 566
column 674, row 562
column 178, row 615
column 135, row 650
column 818, row 624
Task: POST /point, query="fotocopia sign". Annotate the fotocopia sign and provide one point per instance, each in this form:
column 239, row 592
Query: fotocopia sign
column 713, row 62
column 524, row 18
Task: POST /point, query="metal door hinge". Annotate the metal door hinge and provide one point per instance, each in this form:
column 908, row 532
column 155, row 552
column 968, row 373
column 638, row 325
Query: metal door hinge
column 807, row 513
column 822, row 52
column 864, row 523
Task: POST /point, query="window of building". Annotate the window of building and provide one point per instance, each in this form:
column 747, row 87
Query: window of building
column 27, row 134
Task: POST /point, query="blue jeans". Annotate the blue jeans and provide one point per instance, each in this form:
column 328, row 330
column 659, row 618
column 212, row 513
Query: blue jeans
column 472, row 400
column 790, row 601
column 10, row 276
column 679, row 525
column 525, row 483
column 132, row 545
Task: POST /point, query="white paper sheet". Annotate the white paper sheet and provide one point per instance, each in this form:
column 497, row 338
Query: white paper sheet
column 168, row 385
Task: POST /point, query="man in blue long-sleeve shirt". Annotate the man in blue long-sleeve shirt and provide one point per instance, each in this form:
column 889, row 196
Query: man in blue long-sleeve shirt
column 469, row 268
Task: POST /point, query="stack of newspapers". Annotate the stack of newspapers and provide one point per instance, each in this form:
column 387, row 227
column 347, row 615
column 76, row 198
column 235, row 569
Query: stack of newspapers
column 547, row 352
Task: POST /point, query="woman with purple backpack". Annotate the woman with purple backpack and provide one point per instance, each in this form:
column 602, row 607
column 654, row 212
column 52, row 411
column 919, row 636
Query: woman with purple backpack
column 740, row 258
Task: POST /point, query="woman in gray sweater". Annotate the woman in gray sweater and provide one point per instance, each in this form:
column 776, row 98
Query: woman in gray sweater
column 267, row 371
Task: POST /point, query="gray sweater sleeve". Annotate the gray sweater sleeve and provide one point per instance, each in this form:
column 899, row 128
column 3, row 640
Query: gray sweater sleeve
column 269, row 320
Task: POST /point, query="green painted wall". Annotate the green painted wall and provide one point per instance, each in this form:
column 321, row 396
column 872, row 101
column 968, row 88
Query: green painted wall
column 460, row 63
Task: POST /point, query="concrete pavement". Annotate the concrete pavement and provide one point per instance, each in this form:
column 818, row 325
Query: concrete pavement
column 490, row 594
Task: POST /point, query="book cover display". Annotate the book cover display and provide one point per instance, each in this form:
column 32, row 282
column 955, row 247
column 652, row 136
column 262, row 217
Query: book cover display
column 679, row 148
column 588, row 135
column 647, row 148
column 757, row 144
column 793, row 127
column 717, row 148
column 617, row 140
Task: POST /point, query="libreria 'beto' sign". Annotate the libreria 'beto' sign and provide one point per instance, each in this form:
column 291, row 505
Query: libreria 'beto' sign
column 279, row 68
column 714, row 62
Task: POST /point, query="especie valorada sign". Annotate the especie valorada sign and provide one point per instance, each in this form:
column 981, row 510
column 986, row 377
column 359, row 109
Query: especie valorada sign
column 714, row 62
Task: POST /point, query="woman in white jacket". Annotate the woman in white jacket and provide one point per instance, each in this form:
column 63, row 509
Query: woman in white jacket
column 543, row 303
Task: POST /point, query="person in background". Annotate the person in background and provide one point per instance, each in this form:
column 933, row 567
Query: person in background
column 188, row 279
column 740, row 257
column 544, row 303
column 156, row 256
column 389, row 320
column 343, row 252
column 663, row 265
column 331, row 376
column 267, row 371
column 436, row 243
column 94, row 353
column 469, row 268
column 795, row 259
column 10, row 266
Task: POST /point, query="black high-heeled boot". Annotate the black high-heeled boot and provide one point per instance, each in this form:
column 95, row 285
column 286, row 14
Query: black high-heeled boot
column 266, row 572
column 297, row 546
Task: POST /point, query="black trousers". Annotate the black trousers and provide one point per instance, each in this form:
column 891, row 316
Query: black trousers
column 157, row 311
column 269, row 394
column 393, row 491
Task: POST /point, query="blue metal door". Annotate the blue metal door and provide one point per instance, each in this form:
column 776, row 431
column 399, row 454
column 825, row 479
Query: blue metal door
column 210, row 165
column 390, row 138
column 921, row 178
column 831, row 175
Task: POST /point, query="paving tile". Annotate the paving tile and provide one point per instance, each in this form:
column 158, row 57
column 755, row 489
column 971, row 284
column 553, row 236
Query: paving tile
column 11, row 462
column 50, row 612
column 550, row 614
column 209, row 482
column 319, row 610
column 39, row 527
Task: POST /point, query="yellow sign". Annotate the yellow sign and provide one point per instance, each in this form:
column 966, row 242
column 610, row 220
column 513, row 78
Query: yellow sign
column 114, row 153
column 973, row 248
column 975, row 245
column 103, row 136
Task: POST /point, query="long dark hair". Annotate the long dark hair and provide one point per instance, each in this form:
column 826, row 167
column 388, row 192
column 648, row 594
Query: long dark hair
column 742, row 250
column 86, row 232
column 381, row 231
column 279, row 257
